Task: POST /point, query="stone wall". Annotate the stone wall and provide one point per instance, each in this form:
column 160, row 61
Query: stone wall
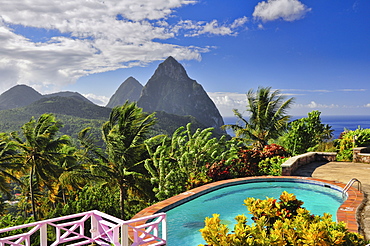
column 361, row 154
column 293, row 163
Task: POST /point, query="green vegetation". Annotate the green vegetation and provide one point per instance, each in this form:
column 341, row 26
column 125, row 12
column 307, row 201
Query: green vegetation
column 306, row 133
column 283, row 222
column 249, row 162
column 124, row 136
column 268, row 117
column 99, row 196
column 78, row 115
column 176, row 162
column 349, row 140
column 39, row 154
column 126, row 161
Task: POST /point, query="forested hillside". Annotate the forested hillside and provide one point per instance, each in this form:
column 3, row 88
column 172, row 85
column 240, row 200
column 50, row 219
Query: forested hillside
column 76, row 115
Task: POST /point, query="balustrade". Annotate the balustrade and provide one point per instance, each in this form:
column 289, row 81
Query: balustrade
column 89, row 227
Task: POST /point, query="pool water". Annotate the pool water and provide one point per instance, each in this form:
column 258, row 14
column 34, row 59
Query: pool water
column 185, row 220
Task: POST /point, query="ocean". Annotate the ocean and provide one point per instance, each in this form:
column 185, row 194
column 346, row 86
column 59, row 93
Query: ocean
column 337, row 123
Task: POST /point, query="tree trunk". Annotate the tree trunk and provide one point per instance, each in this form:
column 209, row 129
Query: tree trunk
column 122, row 196
column 32, row 195
column 64, row 197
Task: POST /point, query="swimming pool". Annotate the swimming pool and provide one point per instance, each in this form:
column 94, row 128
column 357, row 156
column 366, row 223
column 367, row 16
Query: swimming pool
column 186, row 212
column 185, row 220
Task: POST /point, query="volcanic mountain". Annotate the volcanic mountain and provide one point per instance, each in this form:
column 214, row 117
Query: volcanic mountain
column 129, row 90
column 171, row 90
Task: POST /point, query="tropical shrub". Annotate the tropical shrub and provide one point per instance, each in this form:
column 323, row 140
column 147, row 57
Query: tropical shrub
column 179, row 161
column 271, row 166
column 196, row 180
column 323, row 147
column 245, row 165
column 283, row 222
column 349, row 140
column 272, row 150
column 91, row 197
column 305, row 133
column 8, row 221
column 248, row 163
column 221, row 170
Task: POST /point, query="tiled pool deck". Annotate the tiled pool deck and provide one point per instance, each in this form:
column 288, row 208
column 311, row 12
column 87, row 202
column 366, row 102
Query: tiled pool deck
column 346, row 212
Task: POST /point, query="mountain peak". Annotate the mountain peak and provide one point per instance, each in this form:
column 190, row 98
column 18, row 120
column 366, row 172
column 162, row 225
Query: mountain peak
column 170, row 59
column 130, row 90
column 171, row 90
column 18, row 96
column 172, row 69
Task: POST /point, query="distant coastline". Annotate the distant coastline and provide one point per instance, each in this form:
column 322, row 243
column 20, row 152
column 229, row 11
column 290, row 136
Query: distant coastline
column 337, row 122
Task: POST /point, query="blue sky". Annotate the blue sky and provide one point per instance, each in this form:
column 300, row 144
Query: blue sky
column 315, row 51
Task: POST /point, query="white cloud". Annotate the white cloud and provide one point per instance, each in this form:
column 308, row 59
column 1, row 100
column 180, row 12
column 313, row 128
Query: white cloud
column 91, row 36
column 304, row 90
column 315, row 105
column 353, row 90
column 239, row 22
column 197, row 28
column 228, row 98
column 227, row 101
column 64, row 14
column 214, row 28
column 99, row 100
column 288, row 10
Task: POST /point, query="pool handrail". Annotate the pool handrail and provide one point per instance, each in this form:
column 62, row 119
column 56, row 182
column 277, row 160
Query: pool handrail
column 350, row 183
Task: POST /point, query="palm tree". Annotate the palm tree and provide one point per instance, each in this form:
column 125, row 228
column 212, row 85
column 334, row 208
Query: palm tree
column 8, row 165
column 124, row 136
column 268, row 119
column 72, row 174
column 39, row 153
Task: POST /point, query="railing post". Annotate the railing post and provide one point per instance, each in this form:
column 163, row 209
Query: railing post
column 124, row 235
column 164, row 228
column 44, row 235
column 94, row 226
column 27, row 242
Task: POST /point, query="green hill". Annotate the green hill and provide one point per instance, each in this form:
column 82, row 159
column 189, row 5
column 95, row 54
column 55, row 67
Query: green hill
column 68, row 106
column 77, row 114
column 18, row 96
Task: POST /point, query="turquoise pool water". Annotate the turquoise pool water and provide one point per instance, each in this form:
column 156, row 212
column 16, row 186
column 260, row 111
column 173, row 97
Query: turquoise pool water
column 185, row 220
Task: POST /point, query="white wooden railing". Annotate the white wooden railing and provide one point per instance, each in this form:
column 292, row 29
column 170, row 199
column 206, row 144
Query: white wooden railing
column 105, row 230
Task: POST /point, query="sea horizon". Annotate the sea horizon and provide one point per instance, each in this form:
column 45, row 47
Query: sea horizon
column 337, row 122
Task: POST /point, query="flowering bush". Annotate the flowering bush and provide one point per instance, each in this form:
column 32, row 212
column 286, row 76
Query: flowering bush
column 245, row 165
column 283, row 222
column 250, row 162
column 220, row 171
column 272, row 150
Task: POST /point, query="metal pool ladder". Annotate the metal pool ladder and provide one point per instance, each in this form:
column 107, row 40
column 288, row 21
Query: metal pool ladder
column 350, row 183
